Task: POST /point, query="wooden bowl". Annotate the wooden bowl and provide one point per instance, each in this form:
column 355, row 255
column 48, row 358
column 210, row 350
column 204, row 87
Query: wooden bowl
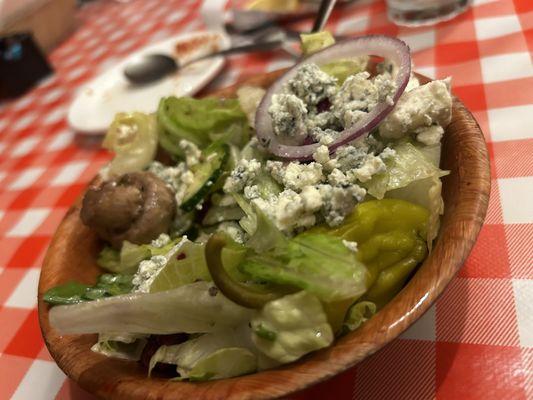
column 74, row 248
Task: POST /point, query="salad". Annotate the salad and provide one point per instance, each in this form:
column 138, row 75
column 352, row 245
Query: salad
column 240, row 234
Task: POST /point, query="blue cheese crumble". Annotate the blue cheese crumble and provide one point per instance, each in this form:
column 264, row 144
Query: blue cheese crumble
column 311, row 105
column 295, row 175
column 147, row 272
column 288, row 114
column 244, row 172
column 352, row 246
column 148, row 269
column 325, row 190
column 422, row 107
column 161, row 241
column 312, row 85
column 233, row 230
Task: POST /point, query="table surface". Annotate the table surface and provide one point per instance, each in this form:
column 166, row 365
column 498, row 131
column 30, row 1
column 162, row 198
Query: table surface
column 475, row 343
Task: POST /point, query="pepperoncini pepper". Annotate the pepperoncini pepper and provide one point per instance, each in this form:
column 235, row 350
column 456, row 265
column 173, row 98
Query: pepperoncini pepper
column 389, row 234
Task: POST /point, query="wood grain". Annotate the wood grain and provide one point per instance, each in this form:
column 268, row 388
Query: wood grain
column 74, row 248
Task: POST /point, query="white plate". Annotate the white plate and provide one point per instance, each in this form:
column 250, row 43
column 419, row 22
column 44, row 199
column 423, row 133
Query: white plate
column 97, row 102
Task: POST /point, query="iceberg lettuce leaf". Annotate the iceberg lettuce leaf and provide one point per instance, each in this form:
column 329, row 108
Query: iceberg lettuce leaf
column 130, row 255
column 318, row 263
column 408, row 165
column 211, row 356
column 185, row 265
column 125, row 346
column 192, row 308
column 74, row 292
column 133, row 139
column 297, row 325
column 413, row 175
column 263, row 234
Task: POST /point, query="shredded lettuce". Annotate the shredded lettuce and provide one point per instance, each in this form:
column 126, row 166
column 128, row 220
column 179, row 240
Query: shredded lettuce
column 218, row 214
column 186, row 265
column 224, row 363
column 211, row 356
column 426, row 192
column 109, row 258
column 318, row 263
column 130, row 255
column 192, row 308
column 313, row 42
column 249, row 99
column 124, row 261
column 74, row 292
column 292, row 326
column 406, row 166
column 125, row 346
column 200, row 121
column 263, row 235
column 413, row 175
column 133, row 139
column 342, row 69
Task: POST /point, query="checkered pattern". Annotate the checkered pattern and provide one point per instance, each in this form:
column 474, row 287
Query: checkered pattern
column 475, row 343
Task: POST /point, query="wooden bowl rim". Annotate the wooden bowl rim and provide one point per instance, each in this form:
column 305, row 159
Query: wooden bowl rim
column 409, row 305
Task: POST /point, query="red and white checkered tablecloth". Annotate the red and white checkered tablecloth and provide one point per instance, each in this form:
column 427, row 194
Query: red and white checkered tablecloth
column 475, row 343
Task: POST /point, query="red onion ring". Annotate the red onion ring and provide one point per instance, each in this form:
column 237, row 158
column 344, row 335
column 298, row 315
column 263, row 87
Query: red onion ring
column 387, row 47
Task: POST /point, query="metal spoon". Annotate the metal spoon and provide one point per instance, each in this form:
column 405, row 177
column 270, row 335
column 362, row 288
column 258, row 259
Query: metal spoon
column 152, row 67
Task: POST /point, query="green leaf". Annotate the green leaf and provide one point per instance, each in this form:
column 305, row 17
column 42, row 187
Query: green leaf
column 221, row 354
column 133, row 138
column 265, row 333
column 264, row 235
column 408, row 165
column 342, row 69
column 299, row 323
column 201, row 121
column 127, row 260
column 224, row 363
column 75, row 292
column 318, row 263
column 313, row 42
column 192, row 308
column 132, row 254
column 125, row 346
column 115, row 284
column 109, row 259
column 186, row 266
column 69, row 293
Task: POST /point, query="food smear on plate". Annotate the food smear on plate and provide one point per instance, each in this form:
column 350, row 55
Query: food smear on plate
column 196, row 45
column 272, row 223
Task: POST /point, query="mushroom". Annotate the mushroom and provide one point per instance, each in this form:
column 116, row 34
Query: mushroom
column 136, row 207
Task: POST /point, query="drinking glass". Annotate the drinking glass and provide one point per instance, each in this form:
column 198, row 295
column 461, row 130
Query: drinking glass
column 424, row 12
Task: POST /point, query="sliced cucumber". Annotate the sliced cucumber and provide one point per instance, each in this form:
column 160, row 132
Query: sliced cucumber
column 206, row 175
